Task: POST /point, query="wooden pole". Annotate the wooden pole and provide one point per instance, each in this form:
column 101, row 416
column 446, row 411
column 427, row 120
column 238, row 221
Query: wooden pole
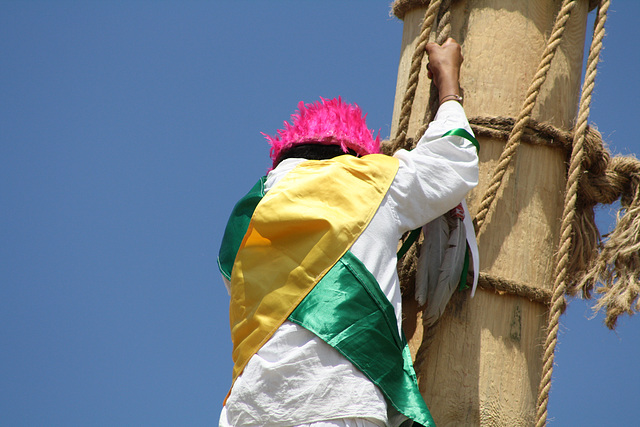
column 481, row 363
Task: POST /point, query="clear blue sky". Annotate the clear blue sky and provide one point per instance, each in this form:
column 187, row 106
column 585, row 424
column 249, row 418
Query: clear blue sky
column 129, row 129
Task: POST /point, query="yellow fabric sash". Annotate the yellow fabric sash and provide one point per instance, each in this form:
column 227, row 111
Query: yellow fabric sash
column 298, row 231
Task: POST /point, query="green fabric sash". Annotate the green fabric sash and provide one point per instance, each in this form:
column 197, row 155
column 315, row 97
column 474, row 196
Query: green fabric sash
column 297, row 232
column 348, row 311
column 237, row 227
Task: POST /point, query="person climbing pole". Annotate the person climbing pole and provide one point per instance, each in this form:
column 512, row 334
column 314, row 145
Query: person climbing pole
column 309, row 259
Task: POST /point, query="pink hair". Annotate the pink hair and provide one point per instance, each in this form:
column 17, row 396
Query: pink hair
column 331, row 122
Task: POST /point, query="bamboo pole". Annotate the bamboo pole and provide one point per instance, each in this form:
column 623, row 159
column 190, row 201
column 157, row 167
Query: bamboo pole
column 481, row 364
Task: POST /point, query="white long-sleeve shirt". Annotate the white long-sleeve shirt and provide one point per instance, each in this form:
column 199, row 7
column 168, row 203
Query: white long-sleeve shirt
column 296, row 378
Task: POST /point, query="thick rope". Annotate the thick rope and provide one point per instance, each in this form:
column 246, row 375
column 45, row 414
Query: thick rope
column 500, row 285
column 535, row 133
column 414, row 71
column 441, row 7
column 525, row 114
column 617, row 268
column 400, row 8
column 443, row 32
column 568, row 216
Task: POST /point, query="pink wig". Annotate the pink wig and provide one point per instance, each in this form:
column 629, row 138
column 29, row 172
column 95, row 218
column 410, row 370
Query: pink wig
column 331, row 122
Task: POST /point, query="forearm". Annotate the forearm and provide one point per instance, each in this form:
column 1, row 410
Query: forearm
column 444, row 67
column 448, row 86
column 436, row 175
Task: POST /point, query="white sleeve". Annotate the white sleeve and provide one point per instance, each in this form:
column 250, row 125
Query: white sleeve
column 436, row 175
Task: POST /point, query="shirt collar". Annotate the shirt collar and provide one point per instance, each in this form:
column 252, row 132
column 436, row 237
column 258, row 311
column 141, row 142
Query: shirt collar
column 281, row 170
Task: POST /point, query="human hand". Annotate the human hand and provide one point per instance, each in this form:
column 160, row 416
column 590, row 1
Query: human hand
column 444, row 66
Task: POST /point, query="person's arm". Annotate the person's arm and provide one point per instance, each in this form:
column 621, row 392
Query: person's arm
column 436, row 175
column 444, row 68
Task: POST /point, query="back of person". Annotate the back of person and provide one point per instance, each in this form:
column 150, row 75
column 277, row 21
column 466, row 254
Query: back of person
column 309, row 258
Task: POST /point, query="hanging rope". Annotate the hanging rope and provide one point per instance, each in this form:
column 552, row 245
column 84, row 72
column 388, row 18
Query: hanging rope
column 568, row 216
column 525, row 113
column 441, row 10
column 443, row 32
column 400, row 140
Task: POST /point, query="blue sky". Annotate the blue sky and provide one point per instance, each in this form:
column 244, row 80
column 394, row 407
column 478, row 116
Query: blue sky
column 128, row 131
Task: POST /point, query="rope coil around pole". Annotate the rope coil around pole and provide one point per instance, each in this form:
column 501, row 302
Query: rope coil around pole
column 501, row 285
column 616, row 270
